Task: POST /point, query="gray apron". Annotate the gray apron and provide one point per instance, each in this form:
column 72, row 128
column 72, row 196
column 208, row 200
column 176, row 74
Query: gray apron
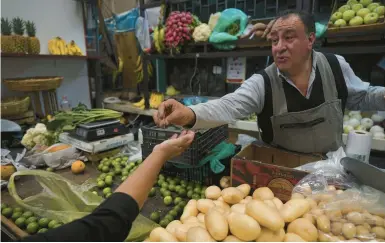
column 317, row 130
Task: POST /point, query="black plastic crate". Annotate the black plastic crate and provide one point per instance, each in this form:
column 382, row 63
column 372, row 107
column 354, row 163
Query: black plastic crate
column 203, row 174
column 203, row 142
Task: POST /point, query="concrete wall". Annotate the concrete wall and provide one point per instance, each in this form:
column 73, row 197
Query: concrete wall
column 52, row 18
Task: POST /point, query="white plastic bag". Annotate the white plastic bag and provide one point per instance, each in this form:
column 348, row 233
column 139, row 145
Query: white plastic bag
column 142, row 32
column 61, row 159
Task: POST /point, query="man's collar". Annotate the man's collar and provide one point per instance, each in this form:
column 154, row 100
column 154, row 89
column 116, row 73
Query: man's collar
column 314, row 64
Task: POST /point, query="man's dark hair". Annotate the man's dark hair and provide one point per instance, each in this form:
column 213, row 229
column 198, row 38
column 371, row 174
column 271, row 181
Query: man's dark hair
column 306, row 18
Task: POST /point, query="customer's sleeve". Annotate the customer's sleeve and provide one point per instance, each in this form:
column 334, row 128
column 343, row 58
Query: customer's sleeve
column 361, row 95
column 111, row 221
column 247, row 99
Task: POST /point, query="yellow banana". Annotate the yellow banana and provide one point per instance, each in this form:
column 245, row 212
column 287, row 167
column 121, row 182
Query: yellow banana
column 120, row 68
column 149, row 69
column 139, row 61
column 139, row 103
column 51, row 45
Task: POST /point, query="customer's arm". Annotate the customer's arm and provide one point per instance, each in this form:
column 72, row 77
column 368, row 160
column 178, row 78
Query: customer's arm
column 112, row 220
column 361, row 95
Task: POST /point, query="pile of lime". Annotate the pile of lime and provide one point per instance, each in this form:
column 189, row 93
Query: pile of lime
column 173, row 214
column 114, row 170
column 27, row 221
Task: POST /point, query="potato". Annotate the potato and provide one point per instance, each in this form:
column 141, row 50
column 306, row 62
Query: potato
column 336, row 228
column 231, row 238
column 323, row 237
column 245, row 188
column 334, row 214
column 347, row 207
column 223, row 205
column 349, row 230
column 355, row 218
column 341, row 237
column 310, row 217
column 366, row 225
column 312, row 202
column 171, row 227
column 270, row 203
column 317, row 212
column 378, row 221
column 191, row 219
column 203, row 205
column 198, row 234
column 294, row 209
column 264, row 215
column 213, row 192
column 238, row 208
column 291, row 237
column 220, row 199
column 297, row 195
column 201, row 217
column 353, row 240
column 216, row 224
column 232, row 195
column 263, row 193
column 334, row 238
column 268, row 235
column 160, row 234
column 189, row 210
column 379, row 231
column 243, row 226
column 181, row 231
column 303, row 228
column 278, row 203
column 363, row 234
column 246, row 200
column 323, row 223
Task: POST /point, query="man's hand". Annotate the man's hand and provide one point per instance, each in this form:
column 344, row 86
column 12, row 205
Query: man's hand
column 174, row 146
column 171, row 112
column 266, row 33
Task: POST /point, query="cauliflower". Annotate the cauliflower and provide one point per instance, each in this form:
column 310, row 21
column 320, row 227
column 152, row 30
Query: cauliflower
column 201, row 33
column 38, row 135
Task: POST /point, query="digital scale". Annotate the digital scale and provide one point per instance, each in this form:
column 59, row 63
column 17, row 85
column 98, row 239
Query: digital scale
column 99, row 130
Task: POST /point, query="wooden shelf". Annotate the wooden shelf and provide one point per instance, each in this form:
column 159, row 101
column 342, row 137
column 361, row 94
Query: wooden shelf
column 46, row 56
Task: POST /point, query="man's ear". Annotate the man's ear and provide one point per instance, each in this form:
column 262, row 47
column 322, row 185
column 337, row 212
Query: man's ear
column 312, row 39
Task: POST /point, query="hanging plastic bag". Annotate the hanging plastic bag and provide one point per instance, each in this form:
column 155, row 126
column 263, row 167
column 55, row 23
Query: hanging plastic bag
column 65, row 201
column 142, row 32
column 229, row 27
column 122, row 22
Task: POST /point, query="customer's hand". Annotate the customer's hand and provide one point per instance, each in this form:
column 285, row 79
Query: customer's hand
column 266, row 33
column 172, row 112
column 174, row 146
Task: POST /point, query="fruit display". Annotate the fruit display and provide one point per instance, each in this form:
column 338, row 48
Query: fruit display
column 355, row 13
column 172, row 91
column 27, row 221
column 20, row 41
column 74, row 49
column 33, row 41
column 159, row 39
column 78, row 167
column 58, row 46
column 232, row 214
column 7, row 171
column 7, row 44
column 355, row 120
column 139, row 69
column 156, row 99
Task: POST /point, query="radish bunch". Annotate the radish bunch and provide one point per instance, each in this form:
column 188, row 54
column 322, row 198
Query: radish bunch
column 179, row 28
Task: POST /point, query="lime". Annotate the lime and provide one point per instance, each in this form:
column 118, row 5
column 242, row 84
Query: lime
column 3, row 205
column 197, row 190
column 172, row 182
column 104, row 159
column 20, row 222
column 162, row 190
column 183, row 183
column 43, row 222
column 204, row 189
column 16, row 215
column 118, row 171
column 173, row 213
column 105, row 169
column 164, row 185
column 139, row 162
column 189, row 194
column 125, row 173
column 31, row 220
column 111, row 173
column 124, row 178
column 107, row 163
column 167, row 193
column 49, row 169
column 182, row 192
column 57, row 225
column 177, row 188
column 196, row 196
column 161, row 176
column 108, row 195
column 18, row 209
column 164, row 223
column 152, row 192
column 131, row 165
column 191, row 184
column 178, row 208
column 160, row 182
column 52, row 223
column 108, row 180
column 101, row 184
column 95, row 192
column 125, row 158
column 27, row 214
column 182, row 204
column 189, row 188
column 102, row 176
column 167, row 200
column 7, row 212
column 169, row 178
column 177, row 200
column 107, row 190
column 155, row 217
column 171, row 187
column 32, row 228
column 177, row 180
column 169, row 217
column 42, row 230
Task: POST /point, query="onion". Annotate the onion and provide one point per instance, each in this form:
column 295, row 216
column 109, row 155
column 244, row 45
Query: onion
column 377, row 118
column 376, row 129
column 354, row 122
column 367, row 123
column 348, row 128
column 379, row 135
column 357, row 116
column 346, row 118
column 352, row 113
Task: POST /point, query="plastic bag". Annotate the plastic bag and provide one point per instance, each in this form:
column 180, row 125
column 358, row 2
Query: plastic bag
column 230, row 18
column 62, row 158
column 338, row 206
column 65, row 201
column 122, row 22
column 142, row 33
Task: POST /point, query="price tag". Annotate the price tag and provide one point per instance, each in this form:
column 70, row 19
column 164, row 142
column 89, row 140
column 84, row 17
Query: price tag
column 236, row 69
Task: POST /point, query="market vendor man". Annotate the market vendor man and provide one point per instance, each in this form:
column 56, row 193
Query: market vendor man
column 299, row 99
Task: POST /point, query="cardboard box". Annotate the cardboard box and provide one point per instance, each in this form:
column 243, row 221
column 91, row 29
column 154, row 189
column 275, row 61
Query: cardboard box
column 262, row 165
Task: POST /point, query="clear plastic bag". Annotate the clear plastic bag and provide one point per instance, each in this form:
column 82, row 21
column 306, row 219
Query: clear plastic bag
column 65, row 201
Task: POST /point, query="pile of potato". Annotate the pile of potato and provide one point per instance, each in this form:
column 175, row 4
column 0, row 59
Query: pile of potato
column 232, row 215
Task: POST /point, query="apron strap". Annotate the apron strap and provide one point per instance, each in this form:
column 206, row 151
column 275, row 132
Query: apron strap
column 327, row 77
column 278, row 94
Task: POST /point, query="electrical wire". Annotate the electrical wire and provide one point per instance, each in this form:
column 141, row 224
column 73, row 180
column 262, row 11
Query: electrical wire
column 194, row 73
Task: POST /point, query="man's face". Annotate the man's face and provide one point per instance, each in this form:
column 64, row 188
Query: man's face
column 290, row 43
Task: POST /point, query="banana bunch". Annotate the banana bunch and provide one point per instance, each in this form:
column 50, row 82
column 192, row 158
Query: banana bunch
column 159, row 39
column 156, row 99
column 139, row 69
column 139, row 104
column 57, row 46
column 74, row 49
